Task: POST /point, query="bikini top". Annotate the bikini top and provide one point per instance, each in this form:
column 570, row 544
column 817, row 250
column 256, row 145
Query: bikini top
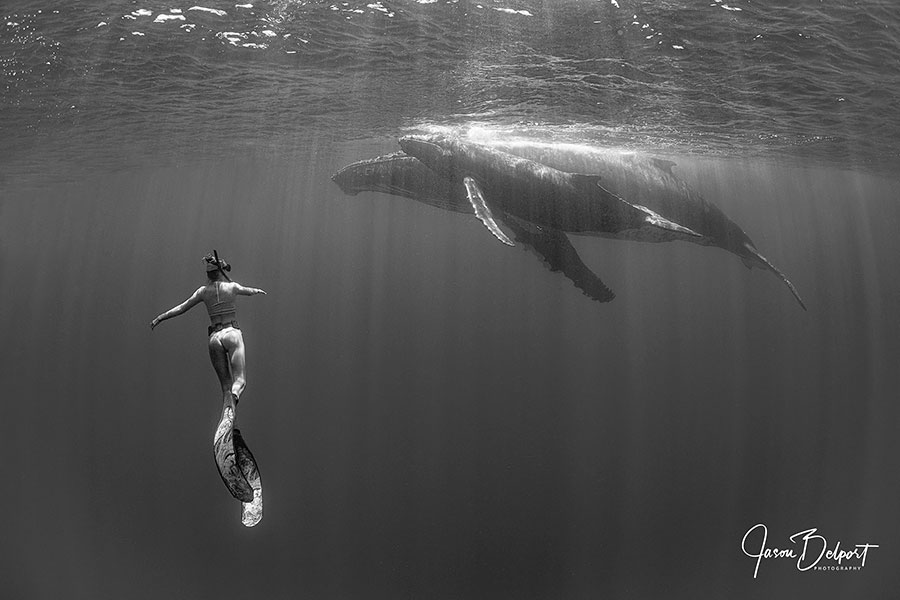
column 220, row 307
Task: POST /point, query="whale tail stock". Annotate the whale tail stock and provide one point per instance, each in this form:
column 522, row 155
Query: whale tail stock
column 758, row 260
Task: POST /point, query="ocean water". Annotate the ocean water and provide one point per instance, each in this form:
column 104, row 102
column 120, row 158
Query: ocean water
column 436, row 415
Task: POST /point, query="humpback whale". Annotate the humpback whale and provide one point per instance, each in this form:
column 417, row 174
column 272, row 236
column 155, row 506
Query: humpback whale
column 535, row 192
column 515, row 178
column 401, row 175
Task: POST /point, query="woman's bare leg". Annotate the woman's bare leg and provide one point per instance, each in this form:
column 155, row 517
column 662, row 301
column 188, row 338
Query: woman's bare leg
column 218, row 355
column 233, row 341
column 223, row 441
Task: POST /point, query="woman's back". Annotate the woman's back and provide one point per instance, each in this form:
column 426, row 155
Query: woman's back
column 218, row 296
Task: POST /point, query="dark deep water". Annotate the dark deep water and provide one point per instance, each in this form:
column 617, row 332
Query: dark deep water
column 436, row 415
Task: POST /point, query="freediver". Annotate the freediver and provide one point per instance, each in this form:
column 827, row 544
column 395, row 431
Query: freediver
column 226, row 351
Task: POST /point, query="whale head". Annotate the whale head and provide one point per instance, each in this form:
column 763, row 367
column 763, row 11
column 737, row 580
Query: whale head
column 432, row 151
column 385, row 174
column 401, row 175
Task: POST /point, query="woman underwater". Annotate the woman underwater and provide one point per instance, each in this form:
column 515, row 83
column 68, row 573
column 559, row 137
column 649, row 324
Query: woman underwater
column 226, row 351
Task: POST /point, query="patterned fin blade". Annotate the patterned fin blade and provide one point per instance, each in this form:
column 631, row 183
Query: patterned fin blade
column 251, row 512
column 223, row 450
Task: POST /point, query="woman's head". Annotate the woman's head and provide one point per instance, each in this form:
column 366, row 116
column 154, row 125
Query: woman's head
column 216, row 267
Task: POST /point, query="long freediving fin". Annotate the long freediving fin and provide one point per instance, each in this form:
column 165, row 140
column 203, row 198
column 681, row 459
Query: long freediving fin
column 223, row 450
column 476, row 199
column 558, row 254
column 251, row 512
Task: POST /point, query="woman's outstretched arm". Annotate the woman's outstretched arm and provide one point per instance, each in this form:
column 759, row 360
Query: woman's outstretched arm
column 178, row 310
column 247, row 291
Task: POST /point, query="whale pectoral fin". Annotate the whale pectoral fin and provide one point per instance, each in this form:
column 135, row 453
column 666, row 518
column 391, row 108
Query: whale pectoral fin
column 657, row 220
column 476, row 199
column 586, row 181
column 592, row 184
column 557, row 254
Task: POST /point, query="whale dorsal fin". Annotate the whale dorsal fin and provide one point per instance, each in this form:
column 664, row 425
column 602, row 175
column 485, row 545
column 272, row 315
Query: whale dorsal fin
column 664, row 165
column 476, row 199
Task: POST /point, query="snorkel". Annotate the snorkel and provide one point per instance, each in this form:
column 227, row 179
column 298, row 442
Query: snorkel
column 219, row 265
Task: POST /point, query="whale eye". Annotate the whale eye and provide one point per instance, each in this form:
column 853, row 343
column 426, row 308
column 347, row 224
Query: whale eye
column 370, row 171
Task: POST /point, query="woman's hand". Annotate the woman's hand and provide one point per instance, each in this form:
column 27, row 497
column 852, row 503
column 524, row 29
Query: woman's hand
column 154, row 323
